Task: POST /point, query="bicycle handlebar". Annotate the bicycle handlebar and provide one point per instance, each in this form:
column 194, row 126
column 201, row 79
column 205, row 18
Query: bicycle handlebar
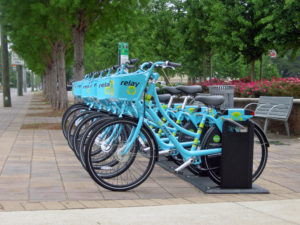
column 173, row 64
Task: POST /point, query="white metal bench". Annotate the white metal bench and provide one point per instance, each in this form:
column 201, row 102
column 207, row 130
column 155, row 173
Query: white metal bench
column 274, row 108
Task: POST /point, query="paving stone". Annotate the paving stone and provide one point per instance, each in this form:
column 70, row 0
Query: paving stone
column 12, row 206
column 33, row 206
column 109, row 203
column 47, row 196
column 110, row 195
column 91, row 204
column 129, row 203
column 84, row 196
column 73, row 205
column 146, row 202
column 53, row 205
column 172, row 201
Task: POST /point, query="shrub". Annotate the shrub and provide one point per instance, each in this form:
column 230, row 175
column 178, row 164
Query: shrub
column 254, row 89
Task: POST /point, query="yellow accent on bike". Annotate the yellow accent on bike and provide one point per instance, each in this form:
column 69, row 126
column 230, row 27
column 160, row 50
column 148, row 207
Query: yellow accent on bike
column 131, row 90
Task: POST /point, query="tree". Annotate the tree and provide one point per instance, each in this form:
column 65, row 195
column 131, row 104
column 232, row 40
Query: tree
column 248, row 35
column 5, row 69
column 197, row 40
column 44, row 51
column 285, row 27
column 95, row 16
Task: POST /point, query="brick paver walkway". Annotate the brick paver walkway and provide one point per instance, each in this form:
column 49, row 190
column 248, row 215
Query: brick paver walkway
column 39, row 171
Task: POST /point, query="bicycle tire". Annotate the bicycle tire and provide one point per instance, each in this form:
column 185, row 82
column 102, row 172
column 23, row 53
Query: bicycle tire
column 81, row 128
column 84, row 140
column 113, row 183
column 72, row 126
column 212, row 163
column 106, row 160
column 69, row 115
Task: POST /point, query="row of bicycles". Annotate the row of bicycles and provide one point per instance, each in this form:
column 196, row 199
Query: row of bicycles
column 121, row 127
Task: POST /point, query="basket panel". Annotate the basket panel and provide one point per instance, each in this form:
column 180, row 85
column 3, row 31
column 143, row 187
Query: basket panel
column 122, row 87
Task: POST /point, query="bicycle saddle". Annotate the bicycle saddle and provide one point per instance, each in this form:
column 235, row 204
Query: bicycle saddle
column 190, row 89
column 172, row 90
column 164, row 98
column 212, row 100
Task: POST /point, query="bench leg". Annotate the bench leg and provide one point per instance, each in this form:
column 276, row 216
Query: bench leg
column 286, row 124
column 266, row 125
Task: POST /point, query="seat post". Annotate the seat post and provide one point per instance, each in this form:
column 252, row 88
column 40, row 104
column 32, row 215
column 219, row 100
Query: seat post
column 171, row 100
column 186, row 98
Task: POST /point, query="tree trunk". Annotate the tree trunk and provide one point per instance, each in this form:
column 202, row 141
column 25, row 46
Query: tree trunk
column 261, row 67
column 20, row 80
column 32, row 81
column 78, row 68
column 24, row 80
column 204, row 66
column 166, row 77
column 210, row 66
column 253, row 70
column 52, row 76
column 5, row 70
column 62, row 99
column 44, row 83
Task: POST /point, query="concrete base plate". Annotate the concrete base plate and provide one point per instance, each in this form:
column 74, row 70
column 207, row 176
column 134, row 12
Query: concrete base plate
column 205, row 184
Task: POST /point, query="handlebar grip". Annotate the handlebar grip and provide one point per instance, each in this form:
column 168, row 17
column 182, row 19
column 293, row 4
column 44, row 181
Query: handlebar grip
column 173, row 64
column 133, row 61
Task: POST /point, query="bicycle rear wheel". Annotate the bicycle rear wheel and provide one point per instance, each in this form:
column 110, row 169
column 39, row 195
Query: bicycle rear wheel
column 120, row 172
column 213, row 162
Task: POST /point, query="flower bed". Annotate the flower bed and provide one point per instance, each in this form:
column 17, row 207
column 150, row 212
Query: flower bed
column 254, row 89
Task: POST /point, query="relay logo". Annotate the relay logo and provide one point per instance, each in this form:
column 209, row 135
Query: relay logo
column 103, row 85
column 109, row 88
column 132, row 85
column 131, row 90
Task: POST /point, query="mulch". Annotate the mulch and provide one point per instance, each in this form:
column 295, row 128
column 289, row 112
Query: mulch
column 41, row 126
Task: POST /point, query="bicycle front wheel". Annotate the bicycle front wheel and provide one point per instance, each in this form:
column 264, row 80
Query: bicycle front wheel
column 121, row 171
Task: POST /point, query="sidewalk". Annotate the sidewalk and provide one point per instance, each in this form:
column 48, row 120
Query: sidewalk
column 38, row 171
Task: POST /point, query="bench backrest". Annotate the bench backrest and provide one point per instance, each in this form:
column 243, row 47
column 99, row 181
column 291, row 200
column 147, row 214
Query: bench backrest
column 282, row 109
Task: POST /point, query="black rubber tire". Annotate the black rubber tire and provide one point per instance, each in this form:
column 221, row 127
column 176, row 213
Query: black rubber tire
column 73, row 124
column 111, row 183
column 213, row 162
column 106, row 159
column 71, row 108
column 82, row 126
column 84, row 139
column 69, row 115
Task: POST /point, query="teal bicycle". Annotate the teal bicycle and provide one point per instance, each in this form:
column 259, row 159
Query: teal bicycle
column 121, row 152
